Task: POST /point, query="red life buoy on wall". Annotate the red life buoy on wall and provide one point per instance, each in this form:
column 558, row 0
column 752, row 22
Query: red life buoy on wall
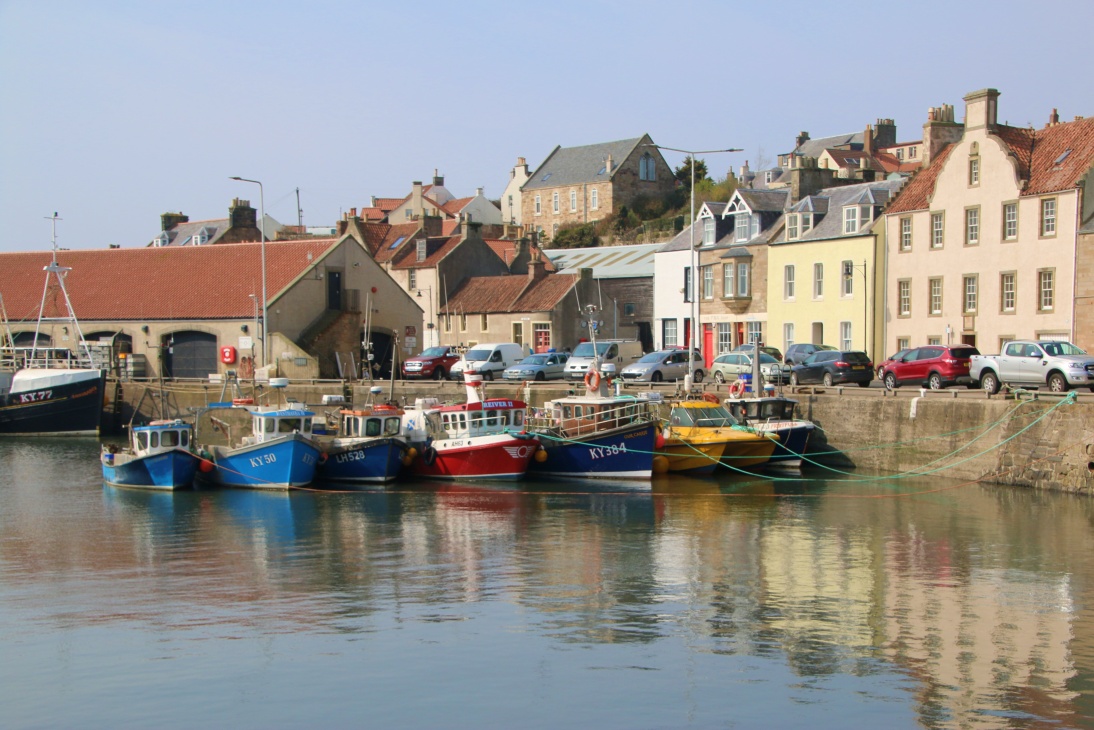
column 227, row 354
column 592, row 380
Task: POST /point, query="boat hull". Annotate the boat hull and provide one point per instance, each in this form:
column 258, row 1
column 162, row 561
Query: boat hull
column 692, row 457
column 53, row 402
column 168, row 470
column 288, row 461
column 793, row 440
column 741, row 453
column 625, row 452
column 362, row 460
column 498, row 456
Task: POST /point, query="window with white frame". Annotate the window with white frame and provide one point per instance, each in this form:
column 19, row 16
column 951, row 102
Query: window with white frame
column 573, row 201
column 938, row 229
column 421, row 248
column 788, row 281
column 727, row 280
column 806, row 220
column 554, row 202
column 866, row 214
column 850, row 219
column 743, row 226
column 904, row 296
column 594, row 199
column 708, row 231
column 1046, row 298
column 743, row 288
column 1007, row 292
column 725, row 337
column 788, row 335
column 539, row 205
column 845, row 335
column 970, row 286
column 818, row 281
column 903, row 343
column 755, row 332
column 911, row 152
column 972, row 226
column 412, row 280
column 974, row 171
column 668, row 333
column 936, row 296
column 792, row 226
column 934, row 340
column 708, row 282
column 906, row 234
column 1048, row 217
column 848, row 279
column 1010, row 221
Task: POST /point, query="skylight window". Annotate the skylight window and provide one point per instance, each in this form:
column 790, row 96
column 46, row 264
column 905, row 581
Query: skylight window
column 398, row 240
column 546, row 177
column 1061, row 158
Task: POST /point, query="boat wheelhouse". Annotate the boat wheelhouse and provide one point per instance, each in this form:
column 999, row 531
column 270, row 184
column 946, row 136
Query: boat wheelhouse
column 369, row 445
column 775, row 414
column 159, row 456
column 280, row 452
column 700, row 434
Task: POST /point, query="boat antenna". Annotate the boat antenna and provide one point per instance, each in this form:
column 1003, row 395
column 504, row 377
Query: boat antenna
column 55, row 269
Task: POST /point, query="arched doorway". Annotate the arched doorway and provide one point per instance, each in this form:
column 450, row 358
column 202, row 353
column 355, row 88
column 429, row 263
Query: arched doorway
column 190, row 354
column 26, row 339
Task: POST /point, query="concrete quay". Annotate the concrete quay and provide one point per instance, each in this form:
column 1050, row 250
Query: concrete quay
column 1027, row 439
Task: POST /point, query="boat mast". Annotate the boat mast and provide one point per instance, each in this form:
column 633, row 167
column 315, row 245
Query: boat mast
column 60, row 272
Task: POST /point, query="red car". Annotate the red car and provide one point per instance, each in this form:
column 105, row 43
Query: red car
column 936, row 366
column 434, row 362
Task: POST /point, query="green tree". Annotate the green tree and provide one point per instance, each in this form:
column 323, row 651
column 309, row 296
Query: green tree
column 683, row 173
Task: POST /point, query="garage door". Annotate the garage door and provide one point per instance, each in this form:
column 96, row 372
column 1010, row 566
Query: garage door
column 191, row 355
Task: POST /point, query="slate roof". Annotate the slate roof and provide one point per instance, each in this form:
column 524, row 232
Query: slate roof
column 165, row 283
column 509, row 293
column 607, row 262
column 772, row 201
column 576, row 165
column 814, row 147
column 831, row 225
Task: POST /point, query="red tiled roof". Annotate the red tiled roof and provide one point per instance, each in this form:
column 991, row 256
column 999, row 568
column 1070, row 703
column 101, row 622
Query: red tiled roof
column 373, row 214
column 454, row 206
column 374, row 234
column 389, row 204
column 410, row 261
column 185, row 282
column 388, row 249
column 891, row 163
column 450, row 227
column 1038, row 151
column 916, row 195
column 513, row 293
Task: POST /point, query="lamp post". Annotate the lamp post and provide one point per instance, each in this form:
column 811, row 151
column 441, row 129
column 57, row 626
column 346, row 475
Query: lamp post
column 694, row 257
column 262, row 230
column 429, row 325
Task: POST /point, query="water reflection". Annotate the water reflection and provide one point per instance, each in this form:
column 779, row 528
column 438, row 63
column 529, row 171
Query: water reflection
column 976, row 598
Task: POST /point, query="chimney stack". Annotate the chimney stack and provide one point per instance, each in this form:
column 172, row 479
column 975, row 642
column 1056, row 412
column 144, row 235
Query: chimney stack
column 981, row 108
column 1053, row 118
column 801, row 139
column 939, row 131
column 536, row 270
column 438, row 180
column 170, row 220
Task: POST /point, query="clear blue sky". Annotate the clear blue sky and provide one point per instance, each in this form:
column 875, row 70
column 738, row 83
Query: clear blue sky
column 112, row 113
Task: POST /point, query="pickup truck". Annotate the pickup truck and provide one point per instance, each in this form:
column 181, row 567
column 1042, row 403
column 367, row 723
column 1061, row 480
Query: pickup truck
column 1034, row 364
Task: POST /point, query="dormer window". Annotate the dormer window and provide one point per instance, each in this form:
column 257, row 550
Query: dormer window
column 422, row 248
column 708, row 232
column 850, row 219
column 200, row 238
column 161, row 240
column 806, row 220
column 743, row 226
column 792, row 227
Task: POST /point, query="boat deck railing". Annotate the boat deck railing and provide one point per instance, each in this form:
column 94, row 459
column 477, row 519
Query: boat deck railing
column 593, row 417
column 16, row 358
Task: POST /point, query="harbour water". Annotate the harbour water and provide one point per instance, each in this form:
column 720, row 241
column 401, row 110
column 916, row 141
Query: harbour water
column 841, row 600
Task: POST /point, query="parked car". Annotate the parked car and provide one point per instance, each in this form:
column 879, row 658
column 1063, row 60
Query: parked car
column 490, row 359
column 834, row 366
column 936, row 366
column 434, row 362
column 1056, row 364
column 662, row 365
column 797, row 352
column 884, row 366
column 618, row 352
column 772, row 351
column 732, row 365
column 543, row 366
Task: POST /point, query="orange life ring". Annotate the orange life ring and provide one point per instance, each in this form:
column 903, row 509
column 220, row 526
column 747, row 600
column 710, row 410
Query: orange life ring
column 592, row 379
column 737, row 389
column 711, row 398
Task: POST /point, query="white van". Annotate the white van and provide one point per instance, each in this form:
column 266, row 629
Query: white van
column 619, row 352
column 489, row 358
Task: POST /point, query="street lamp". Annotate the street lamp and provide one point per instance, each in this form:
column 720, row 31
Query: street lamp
column 694, row 256
column 262, row 230
column 429, row 326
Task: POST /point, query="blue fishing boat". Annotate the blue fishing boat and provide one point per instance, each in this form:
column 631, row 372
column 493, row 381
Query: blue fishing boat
column 775, row 414
column 369, row 445
column 280, row 453
column 159, row 456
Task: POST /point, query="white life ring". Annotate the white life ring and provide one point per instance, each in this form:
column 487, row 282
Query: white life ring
column 737, row 389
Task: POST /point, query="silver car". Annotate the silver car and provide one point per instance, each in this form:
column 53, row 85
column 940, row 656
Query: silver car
column 544, row 366
column 662, row 365
column 728, row 367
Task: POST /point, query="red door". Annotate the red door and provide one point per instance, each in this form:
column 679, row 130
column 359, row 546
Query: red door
column 542, row 340
column 708, row 345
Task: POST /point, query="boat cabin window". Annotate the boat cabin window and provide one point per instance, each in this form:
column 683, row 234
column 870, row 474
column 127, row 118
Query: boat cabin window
column 492, row 419
column 372, row 426
column 350, row 426
column 518, row 417
column 184, row 438
column 391, row 426
column 142, row 440
column 503, row 418
column 268, row 424
column 169, row 438
column 288, row 425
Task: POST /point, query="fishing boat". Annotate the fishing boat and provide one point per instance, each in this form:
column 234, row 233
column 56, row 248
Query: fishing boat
column 159, row 456
column 368, row 445
column 775, row 414
column 50, row 391
column 481, row 438
column 700, row 434
column 279, row 453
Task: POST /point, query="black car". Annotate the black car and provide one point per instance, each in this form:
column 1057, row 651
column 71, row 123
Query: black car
column 797, row 353
column 834, row 366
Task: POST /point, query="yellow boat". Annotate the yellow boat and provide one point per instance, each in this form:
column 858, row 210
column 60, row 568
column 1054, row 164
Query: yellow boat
column 700, row 434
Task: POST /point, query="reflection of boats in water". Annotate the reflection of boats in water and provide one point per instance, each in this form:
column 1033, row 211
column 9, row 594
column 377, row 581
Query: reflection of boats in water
column 159, row 456
column 700, row 434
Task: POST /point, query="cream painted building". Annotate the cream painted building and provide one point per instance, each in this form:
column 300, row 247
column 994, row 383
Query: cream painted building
column 982, row 245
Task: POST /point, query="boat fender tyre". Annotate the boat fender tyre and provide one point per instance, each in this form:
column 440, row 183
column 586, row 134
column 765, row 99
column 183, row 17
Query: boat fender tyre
column 429, row 455
column 711, row 398
column 990, row 382
column 592, row 380
column 934, row 382
column 828, row 380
